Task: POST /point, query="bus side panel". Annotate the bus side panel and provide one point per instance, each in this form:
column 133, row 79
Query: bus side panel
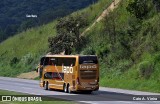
column 69, row 78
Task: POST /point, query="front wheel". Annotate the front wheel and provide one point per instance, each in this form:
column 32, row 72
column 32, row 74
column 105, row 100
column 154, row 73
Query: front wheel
column 68, row 88
column 46, row 87
column 65, row 88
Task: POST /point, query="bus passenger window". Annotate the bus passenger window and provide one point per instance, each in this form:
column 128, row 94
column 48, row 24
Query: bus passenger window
column 53, row 61
column 55, row 75
column 48, row 75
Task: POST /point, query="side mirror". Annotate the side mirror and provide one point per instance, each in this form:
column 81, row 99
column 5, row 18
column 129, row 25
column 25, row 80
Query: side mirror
column 37, row 70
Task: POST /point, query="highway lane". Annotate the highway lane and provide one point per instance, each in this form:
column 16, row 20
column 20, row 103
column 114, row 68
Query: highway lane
column 104, row 95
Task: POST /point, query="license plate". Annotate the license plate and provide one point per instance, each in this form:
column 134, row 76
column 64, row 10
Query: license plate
column 88, row 88
column 92, row 83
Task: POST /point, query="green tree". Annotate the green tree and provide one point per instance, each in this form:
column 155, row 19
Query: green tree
column 140, row 8
column 62, row 42
column 68, row 34
column 110, row 27
column 157, row 4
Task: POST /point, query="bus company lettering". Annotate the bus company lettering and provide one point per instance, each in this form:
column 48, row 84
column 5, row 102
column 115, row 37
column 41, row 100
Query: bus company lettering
column 88, row 66
column 67, row 69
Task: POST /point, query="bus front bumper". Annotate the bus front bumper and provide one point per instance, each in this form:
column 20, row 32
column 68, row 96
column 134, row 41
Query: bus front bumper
column 87, row 88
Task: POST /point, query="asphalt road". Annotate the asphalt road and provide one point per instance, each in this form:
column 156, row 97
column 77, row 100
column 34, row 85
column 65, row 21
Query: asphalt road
column 104, row 95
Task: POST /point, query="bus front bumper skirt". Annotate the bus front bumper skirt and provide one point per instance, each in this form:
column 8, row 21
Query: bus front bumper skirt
column 87, row 88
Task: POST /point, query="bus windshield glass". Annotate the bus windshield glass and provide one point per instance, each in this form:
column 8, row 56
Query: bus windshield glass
column 88, row 60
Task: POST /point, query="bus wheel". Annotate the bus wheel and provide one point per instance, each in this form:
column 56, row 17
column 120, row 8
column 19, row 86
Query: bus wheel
column 43, row 83
column 46, row 86
column 65, row 88
column 68, row 89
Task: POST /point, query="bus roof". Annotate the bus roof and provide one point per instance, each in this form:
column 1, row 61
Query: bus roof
column 66, row 55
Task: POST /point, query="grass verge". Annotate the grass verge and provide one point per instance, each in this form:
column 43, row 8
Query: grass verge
column 57, row 101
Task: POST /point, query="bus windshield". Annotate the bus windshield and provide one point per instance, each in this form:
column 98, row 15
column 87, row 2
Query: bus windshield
column 88, row 60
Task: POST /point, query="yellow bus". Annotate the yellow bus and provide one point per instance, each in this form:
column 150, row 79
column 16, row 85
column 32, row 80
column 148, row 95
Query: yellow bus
column 69, row 73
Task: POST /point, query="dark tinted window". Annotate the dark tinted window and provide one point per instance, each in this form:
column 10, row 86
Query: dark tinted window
column 66, row 61
column 58, row 75
column 53, row 61
column 42, row 60
column 46, row 61
column 54, row 75
column 48, row 75
column 58, row 61
column 88, row 59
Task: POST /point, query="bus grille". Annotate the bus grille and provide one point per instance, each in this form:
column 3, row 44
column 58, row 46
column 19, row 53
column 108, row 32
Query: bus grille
column 88, row 74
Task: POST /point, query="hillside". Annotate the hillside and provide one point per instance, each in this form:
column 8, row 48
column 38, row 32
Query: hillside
column 126, row 42
column 21, row 53
column 13, row 13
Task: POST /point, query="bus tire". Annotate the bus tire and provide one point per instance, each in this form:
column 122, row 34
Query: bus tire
column 68, row 88
column 46, row 86
column 65, row 88
column 43, row 83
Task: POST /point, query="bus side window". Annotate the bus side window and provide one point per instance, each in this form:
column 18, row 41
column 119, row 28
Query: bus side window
column 73, row 61
column 66, row 61
column 55, row 75
column 60, row 62
column 48, row 75
column 62, row 76
column 53, row 61
column 69, row 61
column 46, row 61
column 42, row 60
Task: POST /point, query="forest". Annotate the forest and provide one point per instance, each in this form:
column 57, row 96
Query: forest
column 13, row 13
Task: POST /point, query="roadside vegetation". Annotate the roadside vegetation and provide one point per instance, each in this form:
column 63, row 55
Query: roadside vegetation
column 127, row 43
